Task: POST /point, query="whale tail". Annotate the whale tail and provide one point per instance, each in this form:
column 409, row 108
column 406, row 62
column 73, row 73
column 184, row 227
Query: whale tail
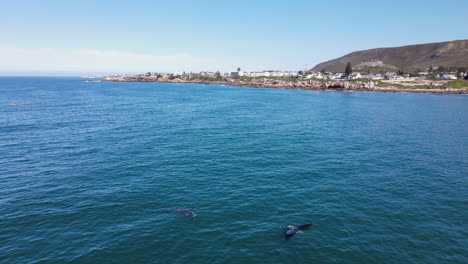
column 293, row 230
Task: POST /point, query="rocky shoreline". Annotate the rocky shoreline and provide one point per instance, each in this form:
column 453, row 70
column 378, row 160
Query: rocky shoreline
column 333, row 85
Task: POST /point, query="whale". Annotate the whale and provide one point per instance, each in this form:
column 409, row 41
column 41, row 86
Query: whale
column 293, row 230
column 185, row 212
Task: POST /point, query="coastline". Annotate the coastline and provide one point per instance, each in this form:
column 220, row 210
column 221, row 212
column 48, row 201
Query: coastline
column 355, row 86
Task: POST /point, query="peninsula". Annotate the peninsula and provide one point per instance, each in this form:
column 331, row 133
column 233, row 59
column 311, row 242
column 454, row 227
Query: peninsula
column 409, row 84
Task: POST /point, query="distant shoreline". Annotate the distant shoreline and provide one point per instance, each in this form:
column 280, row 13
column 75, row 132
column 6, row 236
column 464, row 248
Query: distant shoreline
column 357, row 86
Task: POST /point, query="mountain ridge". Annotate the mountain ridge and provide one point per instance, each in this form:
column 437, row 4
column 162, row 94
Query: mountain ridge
column 406, row 58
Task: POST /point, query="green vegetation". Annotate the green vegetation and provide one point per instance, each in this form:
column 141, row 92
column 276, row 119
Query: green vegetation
column 459, row 84
column 411, row 74
column 249, row 79
column 349, row 69
column 422, row 86
column 206, row 78
column 407, row 53
column 402, row 86
column 377, row 69
column 359, row 80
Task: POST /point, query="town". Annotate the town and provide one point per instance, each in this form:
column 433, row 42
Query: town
column 439, row 74
column 434, row 80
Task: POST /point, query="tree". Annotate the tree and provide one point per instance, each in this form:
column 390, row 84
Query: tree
column 431, row 69
column 349, row 69
column 300, row 73
column 441, row 69
column 238, row 69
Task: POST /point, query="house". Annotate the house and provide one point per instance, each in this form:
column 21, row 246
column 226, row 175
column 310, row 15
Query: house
column 391, row 75
column 446, row 76
column 374, row 76
column 212, row 74
column 334, row 76
column 293, row 74
column 354, row 76
column 462, row 75
column 283, row 74
column 316, row 75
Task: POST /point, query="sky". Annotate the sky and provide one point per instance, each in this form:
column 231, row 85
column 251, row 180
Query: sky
column 92, row 37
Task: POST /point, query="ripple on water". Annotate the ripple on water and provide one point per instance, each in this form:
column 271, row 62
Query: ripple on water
column 90, row 176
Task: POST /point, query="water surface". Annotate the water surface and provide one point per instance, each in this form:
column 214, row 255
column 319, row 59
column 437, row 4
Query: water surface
column 91, row 174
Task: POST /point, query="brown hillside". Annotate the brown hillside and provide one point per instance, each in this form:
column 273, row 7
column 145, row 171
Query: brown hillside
column 406, row 58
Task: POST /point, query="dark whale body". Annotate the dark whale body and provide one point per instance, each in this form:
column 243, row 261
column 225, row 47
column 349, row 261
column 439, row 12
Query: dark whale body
column 292, row 231
column 185, row 212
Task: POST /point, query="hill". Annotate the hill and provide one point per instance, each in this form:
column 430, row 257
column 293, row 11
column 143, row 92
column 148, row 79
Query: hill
column 407, row 58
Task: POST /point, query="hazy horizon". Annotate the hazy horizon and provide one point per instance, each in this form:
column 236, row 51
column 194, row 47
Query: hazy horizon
column 57, row 38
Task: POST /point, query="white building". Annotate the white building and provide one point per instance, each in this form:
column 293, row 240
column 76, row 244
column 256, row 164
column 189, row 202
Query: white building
column 391, row 75
column 354, row 76
column 446, row 76
column 316, row 75
column 374, row 76
column 212, row 74
column 335, row 76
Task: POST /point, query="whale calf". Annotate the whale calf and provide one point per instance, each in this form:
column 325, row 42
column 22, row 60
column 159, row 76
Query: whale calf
column 185, row 212
column 293, row 230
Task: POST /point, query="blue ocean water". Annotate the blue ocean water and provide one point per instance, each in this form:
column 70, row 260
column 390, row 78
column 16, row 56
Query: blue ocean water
column 91, row 174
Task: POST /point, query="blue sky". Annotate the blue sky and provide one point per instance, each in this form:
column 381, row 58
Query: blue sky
column 132, row 36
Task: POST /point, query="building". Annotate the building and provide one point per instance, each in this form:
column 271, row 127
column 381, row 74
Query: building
column 335, row 76
column 211, row 74
column 391, row 75
column 374, row 76
column 355, row 75
column 316, row 75
column 446, row 76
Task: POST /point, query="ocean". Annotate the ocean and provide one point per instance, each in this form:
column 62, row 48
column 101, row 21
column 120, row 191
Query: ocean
column 92, row 172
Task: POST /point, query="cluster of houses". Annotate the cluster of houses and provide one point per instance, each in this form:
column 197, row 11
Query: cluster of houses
column 319, row 75
column 384, row 76
column 451, row 76
column 286, row 74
